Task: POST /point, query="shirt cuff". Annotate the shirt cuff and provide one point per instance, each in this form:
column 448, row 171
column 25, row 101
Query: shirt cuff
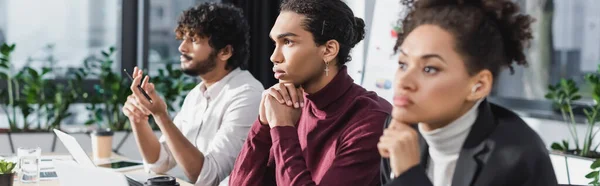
column 260, row 132
column 280, row 133
column 209, row 175
column 160, row 165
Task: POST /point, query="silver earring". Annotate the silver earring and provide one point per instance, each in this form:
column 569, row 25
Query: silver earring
column 327, row 68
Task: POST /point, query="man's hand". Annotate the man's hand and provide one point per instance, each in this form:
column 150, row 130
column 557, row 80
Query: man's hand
column 287, row 94
column 283, row 93
column 278, row 114
column 158, row 107
column 400, row 143
column 136, row 115
column 281, row 105
column 262, row 116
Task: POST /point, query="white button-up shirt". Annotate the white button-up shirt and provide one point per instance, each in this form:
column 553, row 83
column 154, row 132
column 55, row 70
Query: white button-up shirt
column 216, row 120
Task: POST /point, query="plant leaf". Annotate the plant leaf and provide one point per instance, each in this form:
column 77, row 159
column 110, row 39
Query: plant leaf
column 34, row 74
column 189, row 86
column 557, row 146
column 586, row 111
column 592, row 174
column 45, row 70
column 3, row 168
column 3, row 75
column 549, row 96
column 10, row 167
column 5, row 49
column 565, row 145
column 596, row 164
column 89, row 122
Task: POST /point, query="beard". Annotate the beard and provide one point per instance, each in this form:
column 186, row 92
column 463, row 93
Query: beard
column 200, row 67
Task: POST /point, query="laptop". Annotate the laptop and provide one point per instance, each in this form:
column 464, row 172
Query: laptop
column 70, row 174
column 73, row 174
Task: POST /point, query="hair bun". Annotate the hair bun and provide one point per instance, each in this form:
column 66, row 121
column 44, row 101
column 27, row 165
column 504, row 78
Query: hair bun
column 514, row 27
column 359, row 30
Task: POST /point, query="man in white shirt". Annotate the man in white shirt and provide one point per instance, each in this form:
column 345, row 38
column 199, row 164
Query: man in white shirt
column 207, row 134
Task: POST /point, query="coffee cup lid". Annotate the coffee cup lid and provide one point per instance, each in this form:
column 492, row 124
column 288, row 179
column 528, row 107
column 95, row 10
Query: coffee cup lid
column 162, row 181
column 102, row 132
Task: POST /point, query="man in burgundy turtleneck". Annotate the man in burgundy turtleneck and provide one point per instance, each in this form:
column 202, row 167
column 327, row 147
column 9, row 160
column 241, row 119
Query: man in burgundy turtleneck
column 316, row 127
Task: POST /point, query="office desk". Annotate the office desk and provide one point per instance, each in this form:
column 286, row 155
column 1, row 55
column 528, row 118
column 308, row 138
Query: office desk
column 57, row 182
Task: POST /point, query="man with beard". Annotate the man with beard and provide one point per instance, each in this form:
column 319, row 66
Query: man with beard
column 207, row 134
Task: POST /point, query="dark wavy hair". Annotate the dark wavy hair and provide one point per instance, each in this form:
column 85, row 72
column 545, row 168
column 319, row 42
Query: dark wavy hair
column 489, row 34
column 327, row 20
column 223, row 24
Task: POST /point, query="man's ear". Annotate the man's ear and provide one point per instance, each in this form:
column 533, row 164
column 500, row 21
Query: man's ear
column 330, row 50
column 225, row 53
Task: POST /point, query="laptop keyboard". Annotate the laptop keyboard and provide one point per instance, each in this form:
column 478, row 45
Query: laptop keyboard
column 133, row 182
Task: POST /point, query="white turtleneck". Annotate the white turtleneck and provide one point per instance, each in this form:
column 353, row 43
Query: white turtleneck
column 445, row 144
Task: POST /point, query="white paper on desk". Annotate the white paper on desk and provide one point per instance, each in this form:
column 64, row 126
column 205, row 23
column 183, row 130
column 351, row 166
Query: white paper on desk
column 47, row 165
column 47, row 162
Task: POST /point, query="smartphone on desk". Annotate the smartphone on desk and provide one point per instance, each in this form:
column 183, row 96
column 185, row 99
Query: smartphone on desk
column 122, row 165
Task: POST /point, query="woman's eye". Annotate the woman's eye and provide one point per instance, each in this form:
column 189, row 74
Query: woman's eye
column 430, row 70
column 402, row 65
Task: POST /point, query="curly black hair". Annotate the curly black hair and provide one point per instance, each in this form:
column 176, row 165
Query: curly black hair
column 327, row 20
column 223, row 24
column 489, row 34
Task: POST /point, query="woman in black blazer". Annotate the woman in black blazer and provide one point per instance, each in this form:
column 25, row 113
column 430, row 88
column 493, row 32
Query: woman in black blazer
column 442, row 130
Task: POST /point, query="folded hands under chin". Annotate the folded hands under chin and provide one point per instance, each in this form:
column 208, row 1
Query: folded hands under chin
column 281, row 105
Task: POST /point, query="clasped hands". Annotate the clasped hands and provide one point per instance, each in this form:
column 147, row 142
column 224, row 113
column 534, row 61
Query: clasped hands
column 281, row 105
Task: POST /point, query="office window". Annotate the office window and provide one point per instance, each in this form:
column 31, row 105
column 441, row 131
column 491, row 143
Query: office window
column 566, row 45
column 59, row 34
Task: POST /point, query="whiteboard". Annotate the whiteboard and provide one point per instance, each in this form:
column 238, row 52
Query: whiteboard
column 381, row 63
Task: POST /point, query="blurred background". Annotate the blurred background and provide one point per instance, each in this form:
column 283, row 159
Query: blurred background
column 65, row 69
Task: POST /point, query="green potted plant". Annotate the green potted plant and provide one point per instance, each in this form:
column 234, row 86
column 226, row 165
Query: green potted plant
column 109, row 95
column 29, row 93
column 563, row 95
column 6, row 173
column 8, row 95
column 34, row 99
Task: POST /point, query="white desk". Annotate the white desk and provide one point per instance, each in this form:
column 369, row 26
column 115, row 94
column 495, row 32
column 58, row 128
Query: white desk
column 57, row 183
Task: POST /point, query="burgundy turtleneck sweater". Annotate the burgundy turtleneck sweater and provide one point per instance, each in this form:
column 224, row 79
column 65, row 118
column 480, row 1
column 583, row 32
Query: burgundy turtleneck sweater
column 334, row 143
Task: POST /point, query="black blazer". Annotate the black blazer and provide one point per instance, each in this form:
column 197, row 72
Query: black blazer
column 500, row 150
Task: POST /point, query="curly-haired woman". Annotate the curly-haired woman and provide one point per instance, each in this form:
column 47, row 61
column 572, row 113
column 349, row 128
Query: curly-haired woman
column 443, row 131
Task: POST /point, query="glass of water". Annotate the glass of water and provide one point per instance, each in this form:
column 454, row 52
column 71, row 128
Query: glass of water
column 29, row 164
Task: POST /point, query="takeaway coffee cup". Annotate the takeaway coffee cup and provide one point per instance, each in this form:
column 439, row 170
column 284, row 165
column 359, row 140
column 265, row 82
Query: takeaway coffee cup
column 102, row 144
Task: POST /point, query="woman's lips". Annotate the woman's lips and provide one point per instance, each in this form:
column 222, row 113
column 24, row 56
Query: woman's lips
column 402, row 101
